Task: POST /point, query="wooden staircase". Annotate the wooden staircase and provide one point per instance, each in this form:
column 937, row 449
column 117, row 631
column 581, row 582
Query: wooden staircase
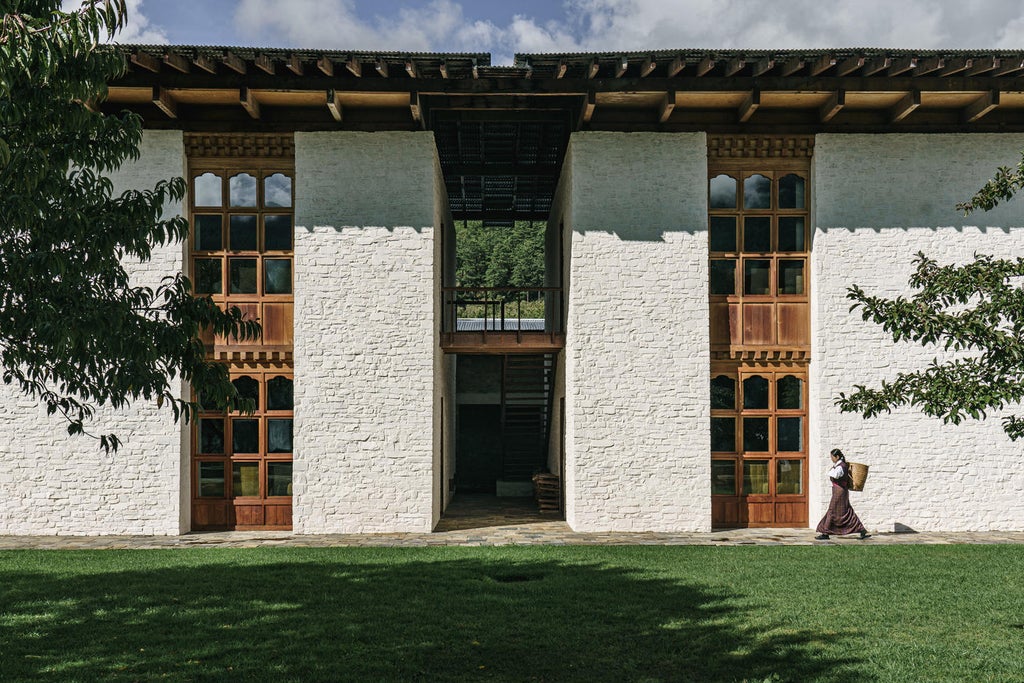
column 526, row 414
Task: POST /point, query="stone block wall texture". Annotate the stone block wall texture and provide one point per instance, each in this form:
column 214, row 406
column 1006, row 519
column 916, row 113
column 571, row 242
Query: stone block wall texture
column 52, row 483
column 637, row 356
column 365, row 333
column 879, row 199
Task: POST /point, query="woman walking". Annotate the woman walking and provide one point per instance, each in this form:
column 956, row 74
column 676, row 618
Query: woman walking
column 840, row 518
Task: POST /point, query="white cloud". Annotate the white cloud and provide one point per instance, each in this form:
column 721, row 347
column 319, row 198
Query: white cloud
column 138, row 29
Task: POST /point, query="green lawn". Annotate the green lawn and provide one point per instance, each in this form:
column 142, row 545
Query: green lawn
column 832, row 613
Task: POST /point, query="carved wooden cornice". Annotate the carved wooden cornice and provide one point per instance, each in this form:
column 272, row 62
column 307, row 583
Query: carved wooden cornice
column 221, row 146
column 760, row 146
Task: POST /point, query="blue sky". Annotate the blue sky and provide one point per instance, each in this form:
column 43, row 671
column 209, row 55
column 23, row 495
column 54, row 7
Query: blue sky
column 503, row 28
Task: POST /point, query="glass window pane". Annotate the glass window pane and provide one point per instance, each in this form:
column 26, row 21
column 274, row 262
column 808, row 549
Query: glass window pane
column 245, row 436
column 723, row 434
column 243, row 233
column 755, row 477
column 757, row 192
column 277, row 273
column 279, row 435
column 245, row 479
column 791, row 276
column 723, row 192
column 211, row 436
column 277, row 233
column 757, row 277
column 755, row 434
column 279, row 394
column 791, row 233
column 789, row 393
column 723, row 233
column 208, row 235
column 723, row 477
column 723, row 393
column 243, row 275
column 277, row 190
column 208, row 276
column 248, row 387
column 723, row 276
column 757, row 234
column 207, row 189
column 242, row 190
column 790, row 434
column 791, row 192
column 789, row 477
column 279, row 479
column 755, row 393
column 211, row 480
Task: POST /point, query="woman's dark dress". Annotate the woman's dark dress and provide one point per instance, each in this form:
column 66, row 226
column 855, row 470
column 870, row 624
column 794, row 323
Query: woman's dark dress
column 840, row 518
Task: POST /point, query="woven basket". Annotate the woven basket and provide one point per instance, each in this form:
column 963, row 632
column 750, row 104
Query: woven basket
column 858, row 475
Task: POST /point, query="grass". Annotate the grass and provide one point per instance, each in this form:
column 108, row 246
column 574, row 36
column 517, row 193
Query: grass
column 837, row 613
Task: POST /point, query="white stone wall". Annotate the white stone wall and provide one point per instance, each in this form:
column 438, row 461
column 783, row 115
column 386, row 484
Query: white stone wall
column 51, row 483
column 637, row 354
column 365, row 332
column 879, row 199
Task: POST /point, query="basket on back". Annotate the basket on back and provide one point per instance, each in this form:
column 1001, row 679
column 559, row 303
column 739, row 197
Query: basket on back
column 858, row 475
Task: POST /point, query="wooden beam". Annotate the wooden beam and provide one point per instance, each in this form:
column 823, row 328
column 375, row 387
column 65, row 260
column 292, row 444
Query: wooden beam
column 1008, row 66
column 903, row 108
column 164, row 102
column 620, row 67
column 326, row 66
column 562, row 68
column 176, row 61
column 205, row 63
column 791, row 66
column 928, row 65
column 762, row 67
column 294, row 65
column 410, row 68
column 382, row 67
column 234, row 62
column 414, row 107
column 146, row 61
column 354, row 66
column 832, row 106
column 980, row 107
column 956, row 65
column 705, row 65
column 647, row 67
column 587, row 110
column 901, row 65
column 822, row 64
column 750, row 104
column 266, row 63
column 668, row 103
column 675, row 66
column 849, row 65
column 733, row 66
column 876, row 64
column 334, row 105
column 594, row 67
column 248, row 102
column 983, row 65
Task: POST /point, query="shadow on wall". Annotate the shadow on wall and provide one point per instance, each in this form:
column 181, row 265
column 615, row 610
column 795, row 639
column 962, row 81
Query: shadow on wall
column 323, row 616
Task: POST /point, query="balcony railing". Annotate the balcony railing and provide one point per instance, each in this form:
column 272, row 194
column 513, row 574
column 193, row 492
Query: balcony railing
column 502, row 316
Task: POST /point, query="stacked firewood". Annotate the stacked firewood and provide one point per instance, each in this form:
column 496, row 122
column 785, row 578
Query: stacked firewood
column 546, row 489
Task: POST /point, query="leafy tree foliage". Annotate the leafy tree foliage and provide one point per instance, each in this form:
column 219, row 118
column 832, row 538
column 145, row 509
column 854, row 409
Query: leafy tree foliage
column 75, row 332
column 499, row 256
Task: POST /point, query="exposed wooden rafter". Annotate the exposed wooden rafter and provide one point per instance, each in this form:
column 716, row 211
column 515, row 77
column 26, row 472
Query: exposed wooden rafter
column 982, row 65
column 903, row 108
column 956, row 65
column 146, row 61
column 248, row 102
column 205, row 63
column 264, row 62
column 165, row 102
column 334, row 105
column 382, row 67
column 294, row 64
column 750, row 104
column 734, row 66
column 593, row 68
column 876, row 64
column 675, row 66
column 762, row 66
column 179, row 62
column 326, row 66
column 410, row 68
column 792, row 65
column 928, row 65
column 443, row 68
column 354, row 66
column 901, row 65
column 621, row 64
column 562, row 68
column 832, row 106
column 234, row 62
column 1008, row 66
column 587, row 110
column 980, row 107
column 822, row 64
column 668, row 104
column 414, row 107
column 647, row 67
column 849, row 65
column 705, row 65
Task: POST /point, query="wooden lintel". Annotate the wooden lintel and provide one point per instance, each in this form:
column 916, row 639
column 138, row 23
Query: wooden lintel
column 705, row 65
column 928, row 65
column 146, row 61
column 294, row 64
column 234, row 62
column 876, row 64
column 248, row 102
column 668, row 103
column 822, row 64
column 901, row 65
column 562, row 68
column 762, row 66
column 326, row 66
column 334, row 105
column 620, row 67
column 594, row 67
column 205, row 63
column 849, row 65
column 832, row 106
column 983, row 65
column 414, row 107
column 410, row 68
column 980, row 107
column 265, row 62
column 382, row 67
column 750, row 104
column 354, row 66
column 733, row 66
column 179, row 62
column 903, row 108
column 443, row 68
column 589, row 105
column 647, row 67
column 956, row 65
column 675, row 66
column 1008, row 66
column 165, row 102
column 792, row 65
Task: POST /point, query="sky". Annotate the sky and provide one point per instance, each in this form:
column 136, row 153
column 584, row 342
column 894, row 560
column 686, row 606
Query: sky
column 504, row 28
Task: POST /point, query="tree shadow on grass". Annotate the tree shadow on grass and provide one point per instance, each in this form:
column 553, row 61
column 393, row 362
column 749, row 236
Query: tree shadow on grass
column 316, row 615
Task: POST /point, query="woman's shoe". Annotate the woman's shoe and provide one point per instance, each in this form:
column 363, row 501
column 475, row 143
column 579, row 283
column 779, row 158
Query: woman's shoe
column 821, row 537
column 864, row 535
